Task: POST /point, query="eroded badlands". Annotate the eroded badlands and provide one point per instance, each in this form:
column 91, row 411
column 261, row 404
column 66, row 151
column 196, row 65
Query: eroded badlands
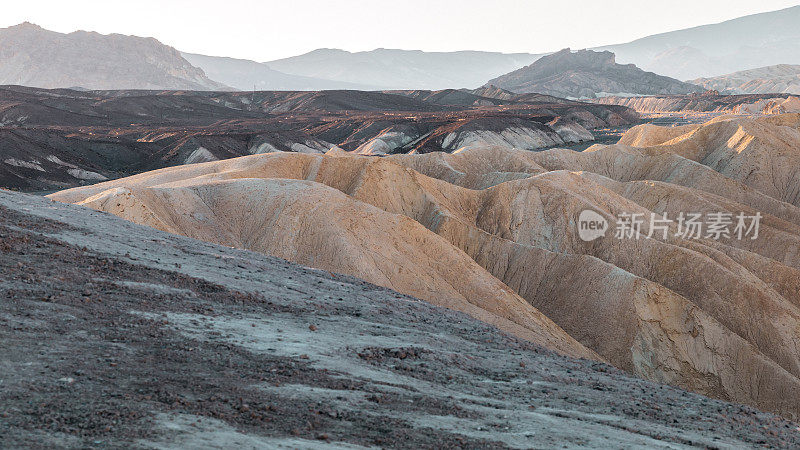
column 492, row 232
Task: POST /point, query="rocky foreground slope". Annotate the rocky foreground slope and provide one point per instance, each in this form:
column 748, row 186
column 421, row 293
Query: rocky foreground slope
column 588, row 74
column 117, row 335
column 492, row 232
column 54, row 139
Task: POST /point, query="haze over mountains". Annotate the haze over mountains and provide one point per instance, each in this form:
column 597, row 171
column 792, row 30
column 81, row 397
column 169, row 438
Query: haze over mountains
column 745, row 43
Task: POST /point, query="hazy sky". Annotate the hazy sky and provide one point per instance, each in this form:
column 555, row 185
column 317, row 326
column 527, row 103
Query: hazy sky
column 265, row 30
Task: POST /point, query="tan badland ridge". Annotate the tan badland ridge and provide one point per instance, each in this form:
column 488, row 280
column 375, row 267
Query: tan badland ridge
column 492, row 232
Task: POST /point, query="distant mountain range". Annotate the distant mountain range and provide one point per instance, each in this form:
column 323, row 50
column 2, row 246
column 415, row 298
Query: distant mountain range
column 380, row 69
column 404, row 69
column 782, row 78
column 588, row 74
column 745, row 43
column 33, row 56
column 246, row 75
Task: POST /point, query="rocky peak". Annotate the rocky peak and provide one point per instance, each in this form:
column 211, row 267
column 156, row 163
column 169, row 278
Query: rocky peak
column 26, row 26
column 566, row 59
column 24, row 29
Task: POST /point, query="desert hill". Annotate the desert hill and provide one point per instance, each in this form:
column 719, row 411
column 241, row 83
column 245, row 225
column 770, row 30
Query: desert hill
column 717, row 316
column 33, row 56
column 587, row 74
column 783, row 78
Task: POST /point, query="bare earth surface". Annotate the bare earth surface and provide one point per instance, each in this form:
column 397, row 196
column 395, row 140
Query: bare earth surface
column 117, row 335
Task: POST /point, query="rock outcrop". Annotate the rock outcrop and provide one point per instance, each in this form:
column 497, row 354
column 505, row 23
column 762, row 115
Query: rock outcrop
column 480, row 229
column 588, row 74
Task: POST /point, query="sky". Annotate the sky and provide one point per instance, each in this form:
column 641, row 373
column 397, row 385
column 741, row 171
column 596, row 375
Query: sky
column 268, row 30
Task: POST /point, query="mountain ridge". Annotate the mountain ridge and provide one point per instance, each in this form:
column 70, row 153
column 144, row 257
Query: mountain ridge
column 715, row 49
column 245, row 75
column 36, row 57
column 392, row 69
